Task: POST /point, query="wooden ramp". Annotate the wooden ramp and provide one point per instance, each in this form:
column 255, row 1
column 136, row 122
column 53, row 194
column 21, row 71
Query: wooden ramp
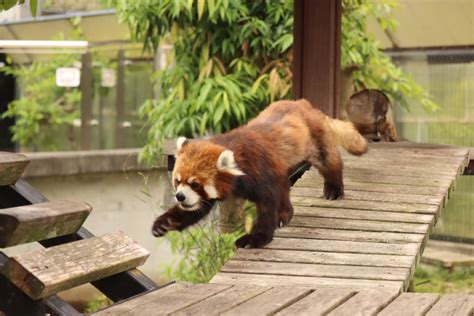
column 371, row 239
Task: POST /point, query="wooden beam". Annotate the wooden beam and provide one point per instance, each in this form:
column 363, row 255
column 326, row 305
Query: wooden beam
column 19, row 225
column 316, row 49
column 12, row 166
column 49, row 271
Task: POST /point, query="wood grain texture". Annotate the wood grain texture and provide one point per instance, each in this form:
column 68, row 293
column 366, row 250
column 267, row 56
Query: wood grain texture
column 141, row 301
column 376, row 196
column 349, row 235
column 365, row 303
column 49, row 271
column 326, row 212
column 410, row 304
column 223, row 301
column 391, row 179
column 453, row 304
column 320, row 302
column 354, row 185
column 36, row 222
column 177, row 300
column 365, row 205
column 407, row 249
column 269, row 302
column 12, row 166
column 311, row 282
column 317, row 270
column 357, row 259
column 360, row 225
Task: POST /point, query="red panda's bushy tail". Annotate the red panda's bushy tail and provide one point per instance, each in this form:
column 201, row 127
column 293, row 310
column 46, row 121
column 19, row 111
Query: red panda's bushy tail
column 346, row 135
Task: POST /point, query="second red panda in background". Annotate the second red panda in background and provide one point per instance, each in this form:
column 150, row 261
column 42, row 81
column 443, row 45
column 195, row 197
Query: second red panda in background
column 252, row 162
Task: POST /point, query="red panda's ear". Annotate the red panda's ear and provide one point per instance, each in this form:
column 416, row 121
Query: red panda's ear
column 180, row 142
column 226, row 163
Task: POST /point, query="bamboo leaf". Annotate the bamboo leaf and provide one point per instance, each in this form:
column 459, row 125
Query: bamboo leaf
column 200, row 8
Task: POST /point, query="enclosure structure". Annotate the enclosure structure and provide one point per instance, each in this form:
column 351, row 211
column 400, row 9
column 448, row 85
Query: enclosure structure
column 364, row 248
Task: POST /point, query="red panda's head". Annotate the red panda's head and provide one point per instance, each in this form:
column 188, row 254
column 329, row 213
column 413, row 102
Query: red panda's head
column 203, row 172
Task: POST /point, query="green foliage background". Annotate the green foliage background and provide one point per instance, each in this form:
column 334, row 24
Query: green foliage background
column 231, row 58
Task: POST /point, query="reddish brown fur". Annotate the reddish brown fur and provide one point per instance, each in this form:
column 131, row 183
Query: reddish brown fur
column 282, row 136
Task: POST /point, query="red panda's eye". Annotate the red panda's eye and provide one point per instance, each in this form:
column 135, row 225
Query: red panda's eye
column 176, row 182
column 195, row 185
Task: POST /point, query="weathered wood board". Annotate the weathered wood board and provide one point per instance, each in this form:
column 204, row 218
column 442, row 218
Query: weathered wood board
column 278, row 299
column 37, row 222
column 49, row 271
column 12, row 166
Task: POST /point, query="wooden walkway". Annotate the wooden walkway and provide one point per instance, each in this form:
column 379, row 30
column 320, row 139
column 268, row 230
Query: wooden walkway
column 354, row 256
column 247, row 300
column 371, row 239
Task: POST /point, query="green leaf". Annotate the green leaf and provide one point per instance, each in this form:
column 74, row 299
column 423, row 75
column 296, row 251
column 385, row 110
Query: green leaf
column 33, row 7
column 200, row 7
column 218, row 115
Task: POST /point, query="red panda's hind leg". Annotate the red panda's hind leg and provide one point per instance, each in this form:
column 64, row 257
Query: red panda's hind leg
column 285, row 211
column 329, row 164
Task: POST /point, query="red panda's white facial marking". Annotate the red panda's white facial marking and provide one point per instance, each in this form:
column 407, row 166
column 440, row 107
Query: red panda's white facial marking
column 211, row 191
column 190, row 199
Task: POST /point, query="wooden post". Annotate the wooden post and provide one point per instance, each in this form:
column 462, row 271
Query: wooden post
column 316, row 49
column 86, row 101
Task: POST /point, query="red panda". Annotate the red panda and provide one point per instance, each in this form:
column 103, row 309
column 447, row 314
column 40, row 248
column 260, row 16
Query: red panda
column 252, row 162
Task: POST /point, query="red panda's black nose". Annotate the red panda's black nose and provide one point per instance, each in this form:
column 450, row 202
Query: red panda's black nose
column 180, row 197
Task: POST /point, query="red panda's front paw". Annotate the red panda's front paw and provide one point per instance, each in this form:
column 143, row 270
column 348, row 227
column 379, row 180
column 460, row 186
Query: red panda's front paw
column 333, row 191
column 256, row 240
column 161, row 226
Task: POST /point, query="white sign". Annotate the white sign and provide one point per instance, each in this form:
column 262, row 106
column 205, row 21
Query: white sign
column 68, row 77
column 107, row 78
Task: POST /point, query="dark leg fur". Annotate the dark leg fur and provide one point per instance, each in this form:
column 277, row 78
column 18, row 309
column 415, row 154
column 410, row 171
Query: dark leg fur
column 285, row 211
column 263, row 228
column 329, row 164
column 177, row 219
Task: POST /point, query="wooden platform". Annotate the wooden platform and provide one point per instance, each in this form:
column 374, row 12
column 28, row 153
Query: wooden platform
column 220, row 299
column 371, row 239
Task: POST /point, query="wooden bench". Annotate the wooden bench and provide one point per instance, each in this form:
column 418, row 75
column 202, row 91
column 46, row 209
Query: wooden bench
column 73, row 256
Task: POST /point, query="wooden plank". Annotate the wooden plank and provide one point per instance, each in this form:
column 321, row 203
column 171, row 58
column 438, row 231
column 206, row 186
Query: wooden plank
column 177, row 300
column 365, row 205
column 320, row 302
column 317, row 270
column 269, row 302
column 350, row 235
column 48, row 271
column 374, row 196
column 419, row 148
column 36, row 222
column 409, row 169
column 312, row 282
column 392, row 179
column 361, row 225
column 223, row 301
column 314, row 257
column 326, row 212
column 12, row 166
column 365, row 303
column 453, row 304
column 378, row 187
column 135, row 303
column 410, row 304
column 396, row 155
column 407, row 249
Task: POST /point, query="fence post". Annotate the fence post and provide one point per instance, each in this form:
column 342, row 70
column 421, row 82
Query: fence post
column 86, row 100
